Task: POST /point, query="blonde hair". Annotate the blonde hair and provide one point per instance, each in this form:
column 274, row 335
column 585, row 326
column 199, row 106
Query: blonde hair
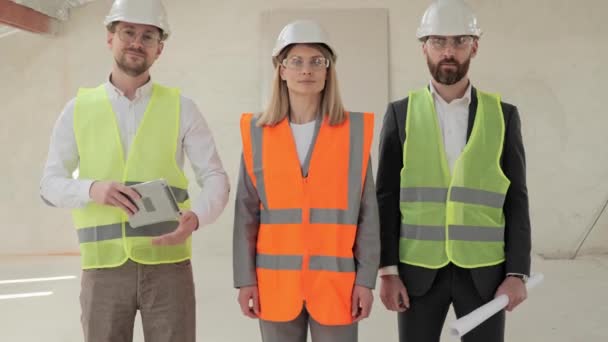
column 279, row 105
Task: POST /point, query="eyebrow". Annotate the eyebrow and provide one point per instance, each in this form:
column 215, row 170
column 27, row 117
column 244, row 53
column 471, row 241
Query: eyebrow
column 148, row 30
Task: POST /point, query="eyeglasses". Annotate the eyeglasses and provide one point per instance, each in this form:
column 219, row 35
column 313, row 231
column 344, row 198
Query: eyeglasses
column 148, row 39
column 297, row 63
column 458, row 42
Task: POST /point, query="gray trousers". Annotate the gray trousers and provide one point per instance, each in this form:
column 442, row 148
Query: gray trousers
column 164, row 295
column 297, row 330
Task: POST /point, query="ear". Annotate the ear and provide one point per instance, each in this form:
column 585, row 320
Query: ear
column 110, row 39
column 474, row 48
column 282, row 72
column 424, row 48
column 159, row 50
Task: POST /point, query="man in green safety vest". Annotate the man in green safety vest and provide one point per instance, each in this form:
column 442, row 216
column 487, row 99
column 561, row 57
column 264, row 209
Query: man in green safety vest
column 451, row 187
column 126, row 131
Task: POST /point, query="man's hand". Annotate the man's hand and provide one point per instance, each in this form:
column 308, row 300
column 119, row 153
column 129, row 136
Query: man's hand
column 114, row 194
column 393, row 293
column 362, row 300
column 188, row 223
column 249, row 301
column 515, row 289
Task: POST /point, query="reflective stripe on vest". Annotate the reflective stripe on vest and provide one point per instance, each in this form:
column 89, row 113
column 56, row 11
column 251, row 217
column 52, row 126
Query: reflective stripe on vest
column 452, row 218
column 289, row 271
column 106, row 239
column 294, row 263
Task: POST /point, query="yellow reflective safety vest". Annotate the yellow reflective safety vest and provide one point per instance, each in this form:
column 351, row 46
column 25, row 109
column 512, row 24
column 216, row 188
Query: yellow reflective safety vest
column 105, row 236
column 454, row 217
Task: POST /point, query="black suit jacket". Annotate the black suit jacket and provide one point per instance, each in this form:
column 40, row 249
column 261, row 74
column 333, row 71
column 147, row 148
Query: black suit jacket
column 517, row 219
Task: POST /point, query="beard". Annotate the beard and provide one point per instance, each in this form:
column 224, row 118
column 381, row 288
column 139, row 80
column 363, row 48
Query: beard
column 133, row 68
column 448, row 76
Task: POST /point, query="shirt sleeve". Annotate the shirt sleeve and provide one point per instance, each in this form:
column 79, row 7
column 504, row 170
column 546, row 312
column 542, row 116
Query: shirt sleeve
column 58, row 187
column 210, row 175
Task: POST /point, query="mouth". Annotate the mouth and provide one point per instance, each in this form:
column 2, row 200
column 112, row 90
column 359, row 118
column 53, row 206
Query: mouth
column 307, row 82
column 136, row 54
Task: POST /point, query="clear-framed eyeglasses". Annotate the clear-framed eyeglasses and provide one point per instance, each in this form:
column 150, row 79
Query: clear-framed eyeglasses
column 129, row 35
column 297, row 63
column 457, row 42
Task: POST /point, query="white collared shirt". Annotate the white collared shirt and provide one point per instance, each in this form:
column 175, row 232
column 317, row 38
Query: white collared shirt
column 60, row 189
column 453, row 120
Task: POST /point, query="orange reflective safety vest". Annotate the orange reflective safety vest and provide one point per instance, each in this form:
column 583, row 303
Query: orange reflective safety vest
column 308, row 224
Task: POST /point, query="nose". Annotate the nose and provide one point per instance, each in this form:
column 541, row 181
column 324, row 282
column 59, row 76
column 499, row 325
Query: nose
column 306, row 69
column 448, row 51
column 137, row 43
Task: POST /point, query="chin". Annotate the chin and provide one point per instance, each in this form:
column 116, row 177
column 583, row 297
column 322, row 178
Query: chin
column 308, row 91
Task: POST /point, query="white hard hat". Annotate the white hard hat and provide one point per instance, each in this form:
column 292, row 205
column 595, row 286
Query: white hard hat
column 301, row 32
column 147, row 12
column 448, row 18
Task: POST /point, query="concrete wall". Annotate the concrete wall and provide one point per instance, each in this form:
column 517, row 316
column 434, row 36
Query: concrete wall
column 544, row 56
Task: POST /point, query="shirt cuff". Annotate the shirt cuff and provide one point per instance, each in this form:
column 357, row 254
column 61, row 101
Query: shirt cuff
column 516, row 274
column 389, row 270
column 84, row 191
column 198, row 218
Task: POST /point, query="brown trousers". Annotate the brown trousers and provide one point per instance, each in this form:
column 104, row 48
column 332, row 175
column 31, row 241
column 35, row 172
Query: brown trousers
column 164, row 295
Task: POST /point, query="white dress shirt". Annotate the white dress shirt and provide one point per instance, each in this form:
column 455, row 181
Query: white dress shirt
column 453, row 120
column 59, row 188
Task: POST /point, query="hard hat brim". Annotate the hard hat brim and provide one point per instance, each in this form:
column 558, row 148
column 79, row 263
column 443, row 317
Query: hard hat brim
column 278, row 50
column 109, row 20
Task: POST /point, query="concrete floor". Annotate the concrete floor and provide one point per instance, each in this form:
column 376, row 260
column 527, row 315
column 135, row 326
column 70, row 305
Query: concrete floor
column 571, row 305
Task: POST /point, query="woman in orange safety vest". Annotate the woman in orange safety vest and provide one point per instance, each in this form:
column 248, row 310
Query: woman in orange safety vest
column 306, row 230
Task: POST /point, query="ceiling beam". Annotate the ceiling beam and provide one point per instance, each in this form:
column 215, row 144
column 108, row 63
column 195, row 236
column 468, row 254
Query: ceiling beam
column 25, row 18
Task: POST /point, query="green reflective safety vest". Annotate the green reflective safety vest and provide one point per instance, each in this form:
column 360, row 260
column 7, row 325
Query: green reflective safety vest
column 454, row 217
column 105, row 236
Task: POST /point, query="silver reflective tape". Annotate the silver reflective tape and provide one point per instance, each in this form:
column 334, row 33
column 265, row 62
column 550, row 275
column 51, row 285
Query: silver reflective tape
column 281, row 216
column 100, row 233
column 425, row 233
column 257, row 140
column 355, row 162
column 332, row 216
column 423, row 194
column 331, row 263
column 114, row 231
column 279, row 262
column 475, row 196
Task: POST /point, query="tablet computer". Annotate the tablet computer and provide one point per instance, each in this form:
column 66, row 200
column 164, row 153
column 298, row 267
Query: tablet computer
column 157, row 204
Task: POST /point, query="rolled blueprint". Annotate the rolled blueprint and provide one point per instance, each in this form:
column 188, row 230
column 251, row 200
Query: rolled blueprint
column 466, row 323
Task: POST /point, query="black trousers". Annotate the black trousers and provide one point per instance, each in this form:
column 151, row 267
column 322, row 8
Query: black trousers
column 423, row 321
